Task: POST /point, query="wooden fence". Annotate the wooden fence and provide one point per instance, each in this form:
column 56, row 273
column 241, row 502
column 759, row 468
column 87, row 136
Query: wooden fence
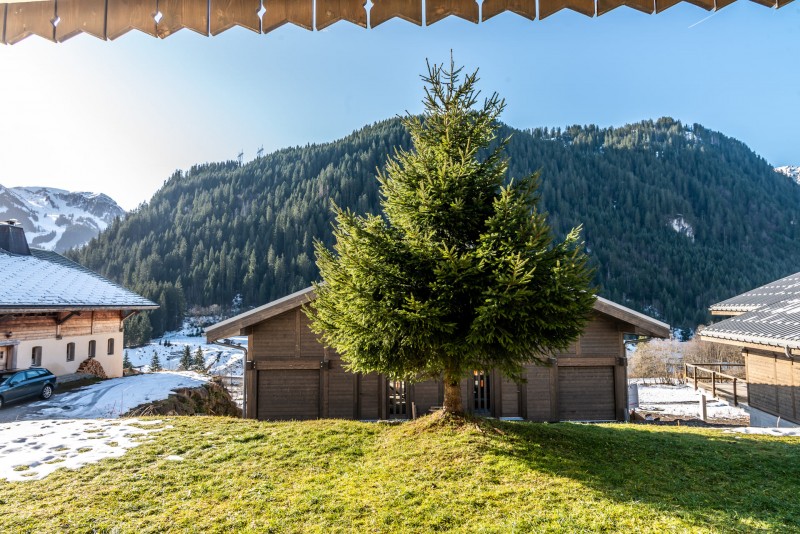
column 701, row 373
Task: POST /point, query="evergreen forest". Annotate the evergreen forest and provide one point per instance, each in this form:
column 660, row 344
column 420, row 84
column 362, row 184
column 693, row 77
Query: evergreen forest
column 675, row 217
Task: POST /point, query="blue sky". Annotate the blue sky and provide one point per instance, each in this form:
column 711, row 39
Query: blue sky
column 119, row 117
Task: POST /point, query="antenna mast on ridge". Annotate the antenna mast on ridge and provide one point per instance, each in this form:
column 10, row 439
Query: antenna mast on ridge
column 240, row 157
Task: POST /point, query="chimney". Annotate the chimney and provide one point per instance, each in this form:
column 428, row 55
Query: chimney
column 12, row 238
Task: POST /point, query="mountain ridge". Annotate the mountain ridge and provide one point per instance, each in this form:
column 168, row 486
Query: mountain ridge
column 57, row 219
column 675, row 216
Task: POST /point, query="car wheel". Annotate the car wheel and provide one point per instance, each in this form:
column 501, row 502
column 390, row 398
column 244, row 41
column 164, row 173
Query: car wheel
column 47, row 391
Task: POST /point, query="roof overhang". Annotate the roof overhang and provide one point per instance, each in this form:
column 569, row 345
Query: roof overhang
column 644, row 325
column 752, row 342
column 60, row 309
column 59, row 20
column 238, row 325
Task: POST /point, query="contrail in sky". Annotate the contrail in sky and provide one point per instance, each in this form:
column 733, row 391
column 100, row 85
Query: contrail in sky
column 702, row 20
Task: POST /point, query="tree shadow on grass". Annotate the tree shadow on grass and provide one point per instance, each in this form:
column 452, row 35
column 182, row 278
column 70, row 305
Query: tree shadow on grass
column 724, row 481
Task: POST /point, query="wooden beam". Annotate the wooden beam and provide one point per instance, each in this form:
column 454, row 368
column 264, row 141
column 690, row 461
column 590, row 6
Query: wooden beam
column 582, row 361
column 550, row 7
column 383, row 10
column 280, row 12
column 436, row 10
column 271, row 365
column 524, row 8
column 127, row 15
column 3, row 9
column 30, row 18
column 70, row 315
column 225, row 14
column 645, row 6
column 179, row 14
column 332, row 11
column 80, row 16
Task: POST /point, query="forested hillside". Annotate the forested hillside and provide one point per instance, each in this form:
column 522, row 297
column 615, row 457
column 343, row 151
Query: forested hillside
column 675, row 217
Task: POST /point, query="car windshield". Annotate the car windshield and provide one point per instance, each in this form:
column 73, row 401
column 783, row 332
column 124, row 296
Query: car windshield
column 4, row 378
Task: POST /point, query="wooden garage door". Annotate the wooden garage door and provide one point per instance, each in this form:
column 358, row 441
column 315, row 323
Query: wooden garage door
column 285, row 394
column 586, row 393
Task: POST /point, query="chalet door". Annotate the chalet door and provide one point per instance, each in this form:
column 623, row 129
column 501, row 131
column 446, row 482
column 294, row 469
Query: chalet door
column 3, row 359
column 586, row 394
column 397, row 395
column 286, row 394
column 481, row 393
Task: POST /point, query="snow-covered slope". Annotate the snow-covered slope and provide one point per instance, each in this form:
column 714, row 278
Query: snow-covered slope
column 791, row 171
column 55, row 219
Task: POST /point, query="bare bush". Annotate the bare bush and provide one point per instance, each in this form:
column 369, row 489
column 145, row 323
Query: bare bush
column 658, row 360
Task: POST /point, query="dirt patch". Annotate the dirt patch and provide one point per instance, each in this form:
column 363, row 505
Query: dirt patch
column 656, row 418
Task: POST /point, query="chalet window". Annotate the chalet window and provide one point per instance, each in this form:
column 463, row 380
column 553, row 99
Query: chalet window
column 92, row 348
column 70, row 352
column 111, row 345
column 481, row 391
column 36, row 357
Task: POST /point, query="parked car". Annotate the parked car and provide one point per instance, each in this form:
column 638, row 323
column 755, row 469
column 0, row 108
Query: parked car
column 16, row 385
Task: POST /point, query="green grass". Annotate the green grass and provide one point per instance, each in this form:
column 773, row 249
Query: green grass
column 430, row 475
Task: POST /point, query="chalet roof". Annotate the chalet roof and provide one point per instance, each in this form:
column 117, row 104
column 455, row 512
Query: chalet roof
column 59, row 20
column 775, row 325
column 236, row 326
column 46, row 281
column 766, row 295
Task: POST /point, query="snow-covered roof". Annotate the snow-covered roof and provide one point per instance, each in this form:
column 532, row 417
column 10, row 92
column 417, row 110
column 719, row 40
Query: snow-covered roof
column 235, row 326
column 768, row 294
column 47, row 281
column 776, row 325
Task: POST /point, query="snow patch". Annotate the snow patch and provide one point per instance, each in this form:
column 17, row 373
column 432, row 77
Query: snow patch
column 112, row 398
column 684, row 401
column 31, row 450
column 680, row 225
column 791, row 171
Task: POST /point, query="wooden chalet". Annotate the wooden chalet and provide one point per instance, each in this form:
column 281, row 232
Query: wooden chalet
column 765, row 323
column 55, row 313
column 59, row 20
column 289, row 374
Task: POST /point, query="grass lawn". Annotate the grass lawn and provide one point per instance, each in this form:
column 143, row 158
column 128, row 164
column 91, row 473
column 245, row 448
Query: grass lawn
column 429, row 475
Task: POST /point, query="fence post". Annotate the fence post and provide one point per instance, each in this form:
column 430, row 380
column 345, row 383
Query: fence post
column 694, row 368
column 703, row 411
column 714, row 384
column 735, row 400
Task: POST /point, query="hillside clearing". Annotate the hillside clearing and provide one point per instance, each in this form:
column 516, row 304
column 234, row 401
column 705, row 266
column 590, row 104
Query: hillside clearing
column 202, row 474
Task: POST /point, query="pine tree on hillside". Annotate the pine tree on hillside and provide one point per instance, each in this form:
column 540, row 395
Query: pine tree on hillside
column 186, row 359
column 155, row 363
column 126, row 362
column 199, row 363
column 462, row 273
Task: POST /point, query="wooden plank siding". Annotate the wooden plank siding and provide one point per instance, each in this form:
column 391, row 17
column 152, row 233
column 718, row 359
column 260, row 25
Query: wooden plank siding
column 586, row 382
column 44, row 326
column 773, row 383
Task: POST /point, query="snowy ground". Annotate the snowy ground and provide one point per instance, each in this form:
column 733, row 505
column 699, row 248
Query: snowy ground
column 684, row 401
column 32, row 450
column 106, row 399
column 223, row 361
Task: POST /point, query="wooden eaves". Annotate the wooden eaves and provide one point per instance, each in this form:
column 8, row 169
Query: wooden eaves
column 238, row 325
column 59, row 20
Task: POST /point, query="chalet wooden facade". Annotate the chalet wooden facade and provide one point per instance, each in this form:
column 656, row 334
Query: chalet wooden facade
column 55, row 313
column 291, row 375
column 765, row 323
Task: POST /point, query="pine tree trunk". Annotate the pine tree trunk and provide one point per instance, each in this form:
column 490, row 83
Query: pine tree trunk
column 452, row 395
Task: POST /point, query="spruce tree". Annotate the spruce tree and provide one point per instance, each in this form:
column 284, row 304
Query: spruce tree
column 155, row 363
column 126, row 361
column 462, row 273
column 186, row 359
column 199, row 361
